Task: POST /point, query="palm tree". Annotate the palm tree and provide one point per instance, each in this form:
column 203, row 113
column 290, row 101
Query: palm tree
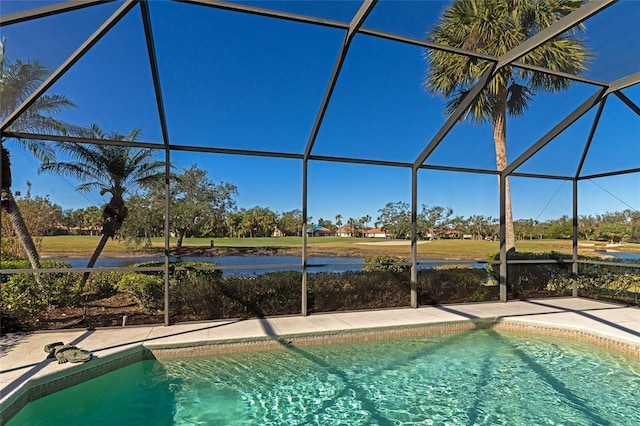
column 364, row 220
column 494, row 27
column 112, row 169
column 17, row 81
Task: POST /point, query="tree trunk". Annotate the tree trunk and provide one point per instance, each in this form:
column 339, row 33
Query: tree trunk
column 11, row 208
column 17, row 222
column 94, row 258
column 113, row 216
column 500, row 141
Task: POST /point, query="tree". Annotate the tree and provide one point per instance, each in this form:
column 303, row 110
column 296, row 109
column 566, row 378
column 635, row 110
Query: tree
column 112, row 169
column 494, row 27
column 234, row 221
column 145, row 220
column 561, row 228
column 614, row 232
column 91, row 220
column 290, row 223
column 326, row 223
column 146, row 214
column 525, row 229
column 395, row 219
column 40, row 215
column 435, row 218
column 354, row 225
column 17, row 81
column 259, row 221
column 198, row 205
column 481, row 226
column 364, row 221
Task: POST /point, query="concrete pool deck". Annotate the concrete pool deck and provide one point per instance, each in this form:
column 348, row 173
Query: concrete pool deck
column 23, row 361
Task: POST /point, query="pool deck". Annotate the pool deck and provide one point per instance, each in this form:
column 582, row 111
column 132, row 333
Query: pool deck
column 22, row 358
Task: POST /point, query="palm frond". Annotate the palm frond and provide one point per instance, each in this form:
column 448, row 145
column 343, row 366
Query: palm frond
column 113, row 169
column 494, row 27
column 18, row 80
column 518, row 99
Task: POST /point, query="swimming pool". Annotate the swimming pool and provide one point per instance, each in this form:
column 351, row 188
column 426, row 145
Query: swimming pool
column 480, row 377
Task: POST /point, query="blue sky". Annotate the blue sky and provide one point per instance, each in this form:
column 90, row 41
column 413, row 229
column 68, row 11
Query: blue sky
column 239, row 81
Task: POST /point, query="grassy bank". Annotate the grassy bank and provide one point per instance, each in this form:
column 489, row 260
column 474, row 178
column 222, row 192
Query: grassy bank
column 83, row 246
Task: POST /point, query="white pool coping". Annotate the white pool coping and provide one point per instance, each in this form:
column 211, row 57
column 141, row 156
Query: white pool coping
column 23, row 362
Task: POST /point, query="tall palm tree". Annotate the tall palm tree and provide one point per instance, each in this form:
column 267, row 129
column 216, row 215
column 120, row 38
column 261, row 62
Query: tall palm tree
column 111, row 169
column 17, row 81
column 493, row 27
column 366, row 219
column 338, row 220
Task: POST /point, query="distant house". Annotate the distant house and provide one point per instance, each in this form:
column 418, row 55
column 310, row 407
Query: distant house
column 344, row 231
column 430, row 234
column 320, row 231
column 452, row 233
column 375, row 233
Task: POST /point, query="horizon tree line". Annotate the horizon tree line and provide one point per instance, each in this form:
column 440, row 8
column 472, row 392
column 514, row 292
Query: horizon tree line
column 218, row 217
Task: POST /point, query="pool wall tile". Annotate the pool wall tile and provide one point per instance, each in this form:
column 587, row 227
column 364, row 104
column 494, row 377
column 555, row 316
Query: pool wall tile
column 628, row 348
column 195, row 349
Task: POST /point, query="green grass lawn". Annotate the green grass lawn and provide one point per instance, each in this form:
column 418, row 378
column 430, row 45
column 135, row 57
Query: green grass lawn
column 72, row 245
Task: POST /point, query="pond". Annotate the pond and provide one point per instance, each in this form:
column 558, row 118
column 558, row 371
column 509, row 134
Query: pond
column 263, row 263
column 252, row 264
column 626, row 256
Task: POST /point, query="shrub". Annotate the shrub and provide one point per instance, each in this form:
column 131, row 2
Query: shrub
column 195, row 292
column 454, row 285
column 145, row 288
column 190, row 287
column 609, row 282
column 385, row 263
column 103, row 283
column 331, row 291
column 532, row 278
column 275, row 293
column 23, row 296
column 598, row 281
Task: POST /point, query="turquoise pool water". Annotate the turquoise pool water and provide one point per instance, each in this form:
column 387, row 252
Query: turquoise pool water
column 477, row 378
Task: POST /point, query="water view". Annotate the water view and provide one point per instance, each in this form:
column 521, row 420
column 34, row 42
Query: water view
column 264, row 264
column 244, row 264
column 253, row 264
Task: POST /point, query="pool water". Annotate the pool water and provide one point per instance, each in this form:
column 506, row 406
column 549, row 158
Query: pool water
column 476, row 378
